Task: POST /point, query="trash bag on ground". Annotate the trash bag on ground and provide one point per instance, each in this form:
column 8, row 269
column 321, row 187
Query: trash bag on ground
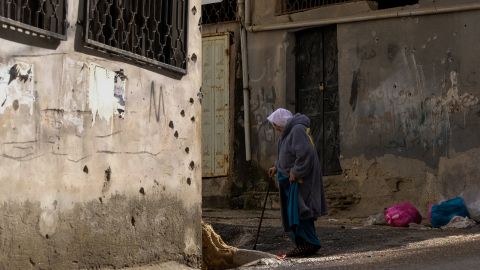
column 442, row 213
column 402, row 214
column 473, row 208
column 378, row 219
column 459, row 223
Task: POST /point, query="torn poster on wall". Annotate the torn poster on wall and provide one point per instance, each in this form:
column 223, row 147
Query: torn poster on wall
column 16, row 86
column 119, row 92
column 106, row 95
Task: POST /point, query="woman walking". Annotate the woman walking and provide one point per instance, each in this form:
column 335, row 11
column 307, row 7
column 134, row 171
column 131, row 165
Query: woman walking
column 300, row 180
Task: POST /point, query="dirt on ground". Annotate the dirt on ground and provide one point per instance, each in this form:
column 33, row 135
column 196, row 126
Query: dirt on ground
column 338, row 236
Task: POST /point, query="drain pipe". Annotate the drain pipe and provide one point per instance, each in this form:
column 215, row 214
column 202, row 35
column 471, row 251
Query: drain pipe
column 369, row 16
column 244, row 13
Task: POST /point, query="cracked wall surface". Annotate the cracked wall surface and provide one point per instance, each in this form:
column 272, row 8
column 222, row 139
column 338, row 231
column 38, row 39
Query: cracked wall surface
column 91, row 172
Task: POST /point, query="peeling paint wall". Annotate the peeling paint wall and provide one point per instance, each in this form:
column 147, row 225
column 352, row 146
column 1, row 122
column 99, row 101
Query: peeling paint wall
column 91, row 173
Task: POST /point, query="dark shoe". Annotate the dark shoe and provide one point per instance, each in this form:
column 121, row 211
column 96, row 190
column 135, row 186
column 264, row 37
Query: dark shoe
column 303, row 250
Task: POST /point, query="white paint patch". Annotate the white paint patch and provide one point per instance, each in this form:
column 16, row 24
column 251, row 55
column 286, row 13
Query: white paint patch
column 454, row 102
column 48, row 222
column 16, row 86
column 100, row 94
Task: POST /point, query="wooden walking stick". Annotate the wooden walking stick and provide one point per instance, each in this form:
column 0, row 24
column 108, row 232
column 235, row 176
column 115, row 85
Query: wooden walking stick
column 263, row 211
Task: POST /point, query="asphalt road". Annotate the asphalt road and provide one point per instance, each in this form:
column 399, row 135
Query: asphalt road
column 443, row 253
column 348, row 244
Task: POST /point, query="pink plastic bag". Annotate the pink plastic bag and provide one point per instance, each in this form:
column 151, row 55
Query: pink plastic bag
column 402, row 214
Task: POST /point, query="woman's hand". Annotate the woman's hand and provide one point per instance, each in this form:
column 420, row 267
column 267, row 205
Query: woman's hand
column 272, row 171
column 292, row 177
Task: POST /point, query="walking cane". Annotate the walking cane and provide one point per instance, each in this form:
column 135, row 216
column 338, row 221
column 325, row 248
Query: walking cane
column 263, row 211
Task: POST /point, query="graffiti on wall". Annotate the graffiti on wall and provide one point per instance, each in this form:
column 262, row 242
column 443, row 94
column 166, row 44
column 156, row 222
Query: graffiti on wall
column 262, row 104
column 157, row 106
column 405, row 112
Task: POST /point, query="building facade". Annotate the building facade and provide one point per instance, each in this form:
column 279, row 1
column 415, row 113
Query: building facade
column 390, row 87
column 100, row 133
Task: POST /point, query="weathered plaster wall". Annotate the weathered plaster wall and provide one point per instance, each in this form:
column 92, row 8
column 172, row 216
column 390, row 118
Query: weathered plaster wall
column 271, row 79
column 409, row 103
column 93, row 172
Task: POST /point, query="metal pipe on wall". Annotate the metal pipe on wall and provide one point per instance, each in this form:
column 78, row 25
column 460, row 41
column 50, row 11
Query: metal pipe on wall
column 243, row 11
column 374, row 15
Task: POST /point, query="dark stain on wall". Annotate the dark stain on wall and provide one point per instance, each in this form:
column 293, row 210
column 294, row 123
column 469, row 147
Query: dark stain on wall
column 354, row 89
column 107, row 181
column 392, row 51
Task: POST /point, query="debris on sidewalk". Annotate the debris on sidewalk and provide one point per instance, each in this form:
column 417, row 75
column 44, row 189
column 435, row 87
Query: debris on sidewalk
column 218, row 256
column 416, row 226
column 402, row 214
column 267, row 263
column 473, row 208
column 378, row 219
column 442, row 213
column 458, row 222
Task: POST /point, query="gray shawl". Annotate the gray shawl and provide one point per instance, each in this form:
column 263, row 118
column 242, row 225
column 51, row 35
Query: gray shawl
column 297, row 153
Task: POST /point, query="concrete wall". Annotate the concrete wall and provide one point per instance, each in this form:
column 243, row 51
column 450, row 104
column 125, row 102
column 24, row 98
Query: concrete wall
column 82, row 186
column 409, row 95
column 408, row 103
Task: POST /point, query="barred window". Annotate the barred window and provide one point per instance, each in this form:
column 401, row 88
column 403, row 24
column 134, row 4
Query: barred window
column 45, row 18
column 290, row 6
column 151, row 32
column 224, row 11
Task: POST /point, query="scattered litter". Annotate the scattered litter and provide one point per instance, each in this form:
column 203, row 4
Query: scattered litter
column 332, row 220
column 458, row 222
column 416, row 226
column 402, row 214
column 269, row 262
column 378, row 219
column 442, row 213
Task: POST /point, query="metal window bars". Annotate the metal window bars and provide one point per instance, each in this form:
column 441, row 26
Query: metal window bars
column 151, row 32
column 291, row 6
column 225, row 11
column 45, row 18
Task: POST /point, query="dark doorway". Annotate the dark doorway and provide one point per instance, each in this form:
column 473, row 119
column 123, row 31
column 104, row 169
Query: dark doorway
column 316, row 87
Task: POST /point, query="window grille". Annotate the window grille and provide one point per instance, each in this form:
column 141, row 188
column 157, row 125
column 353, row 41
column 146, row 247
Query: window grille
column 151, row 32
column 45, row 18
column 290, row 6
column 225, row 11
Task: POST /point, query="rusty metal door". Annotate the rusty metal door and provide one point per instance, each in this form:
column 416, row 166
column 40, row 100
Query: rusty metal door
column 215, row 106
column 316, row 79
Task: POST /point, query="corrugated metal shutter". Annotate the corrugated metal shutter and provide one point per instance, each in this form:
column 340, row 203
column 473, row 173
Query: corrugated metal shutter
column 215, row 118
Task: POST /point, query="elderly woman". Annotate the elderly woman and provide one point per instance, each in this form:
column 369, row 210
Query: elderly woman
column 300, row 180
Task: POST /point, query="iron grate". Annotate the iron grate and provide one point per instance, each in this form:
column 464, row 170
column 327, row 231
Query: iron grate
column 225, row 11
column 290, row 6
column 38, row 17
column 151, row 32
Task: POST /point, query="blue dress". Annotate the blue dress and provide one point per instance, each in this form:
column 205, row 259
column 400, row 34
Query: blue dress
column 300, row 231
